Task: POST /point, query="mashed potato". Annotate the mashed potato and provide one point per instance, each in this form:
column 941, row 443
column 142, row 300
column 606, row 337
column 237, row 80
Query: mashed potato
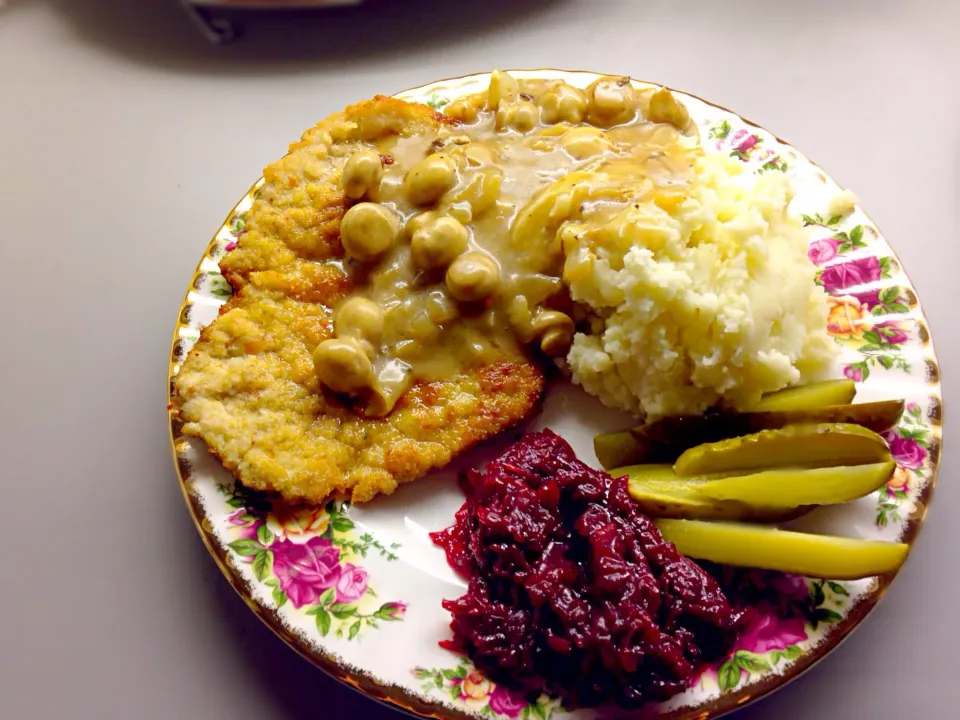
column 709, row 300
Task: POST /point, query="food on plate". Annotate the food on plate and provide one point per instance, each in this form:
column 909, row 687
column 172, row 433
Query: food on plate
column 666, row 439
column 303, row 384
column 472, row 277
column 803, row 445
column 808, row 397
column 362, row 173
column 405, row 278
column 405, row 282
column 572, row 591
column 343, row 364
column 659, row 493
column 438, row 243
column 368, row 231
column 768, row 476
column 623, row 447
column 554, row 330
column 796, row 487
column 843, row 203
column 764, row 495
column 664, row 107
column 822, row 556
column 705, row 296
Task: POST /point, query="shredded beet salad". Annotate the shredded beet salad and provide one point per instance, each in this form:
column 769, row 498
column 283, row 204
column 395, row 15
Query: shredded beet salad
column 572, row 591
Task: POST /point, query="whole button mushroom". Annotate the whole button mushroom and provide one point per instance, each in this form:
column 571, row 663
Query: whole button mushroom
column 360, row 318
column 438, row 243
column 473, row 276
column 611, row 101
column 522, row 115
column 430, row 179
column 343, row 365
column 368, row 230
column 563, row 103
column 362, row 174
column 665, row 108
column 555, row 330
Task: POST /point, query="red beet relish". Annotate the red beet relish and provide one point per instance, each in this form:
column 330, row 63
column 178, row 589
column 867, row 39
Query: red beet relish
column 572, row 591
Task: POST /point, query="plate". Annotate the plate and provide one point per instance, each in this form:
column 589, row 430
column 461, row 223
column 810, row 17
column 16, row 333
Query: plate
column 340, row 584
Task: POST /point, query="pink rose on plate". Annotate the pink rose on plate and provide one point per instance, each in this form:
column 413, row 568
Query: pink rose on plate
column 820, row 251
column 306, row 571
column 848, row 274
column 475, row 686
column 870, row 298
column 766, row 631
column 792, row 587
column 913, row 408
column 852, row 372
column 899, row 482
column 245, row 521
column 352, row 583
column 894, row 334
column 748, row 143
column 396, row 610
column 504, row 702
column 906, row 451
column 297, row 524
column 847, row 318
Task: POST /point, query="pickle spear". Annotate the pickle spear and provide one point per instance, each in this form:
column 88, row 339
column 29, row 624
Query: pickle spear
column 790, row 487
column 660, row 493
column 771, row 495
column 664, row 440
column 807, row 445
column 809, row 397
column 821, row 556
column 614, row 449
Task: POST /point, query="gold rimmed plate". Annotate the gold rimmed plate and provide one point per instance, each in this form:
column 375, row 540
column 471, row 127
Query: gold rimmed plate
column 340, row 583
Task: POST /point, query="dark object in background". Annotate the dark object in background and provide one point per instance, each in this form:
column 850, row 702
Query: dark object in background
column 220, row 20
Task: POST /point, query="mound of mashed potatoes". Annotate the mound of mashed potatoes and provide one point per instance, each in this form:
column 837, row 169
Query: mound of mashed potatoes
column 704, row 302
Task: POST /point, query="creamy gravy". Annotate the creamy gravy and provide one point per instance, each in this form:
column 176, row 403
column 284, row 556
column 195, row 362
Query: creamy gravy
column 518, row 193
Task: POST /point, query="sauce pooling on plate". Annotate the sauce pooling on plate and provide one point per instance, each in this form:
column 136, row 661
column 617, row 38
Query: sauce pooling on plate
column 457, row 240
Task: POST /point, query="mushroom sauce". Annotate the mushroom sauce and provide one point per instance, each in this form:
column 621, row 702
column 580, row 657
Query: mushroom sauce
column 459, row 239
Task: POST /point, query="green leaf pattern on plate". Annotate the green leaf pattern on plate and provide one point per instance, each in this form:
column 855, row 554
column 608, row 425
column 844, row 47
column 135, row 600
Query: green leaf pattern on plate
column 773, row 636
column 307, row 557
column 863, row 317
column 745, row 145
column 874, row 322
column 471, row 690
column 910, row 445
column 879, row 322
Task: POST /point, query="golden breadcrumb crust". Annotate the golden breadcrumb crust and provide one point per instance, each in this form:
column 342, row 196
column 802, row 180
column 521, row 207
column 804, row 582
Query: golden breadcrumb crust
column 248, row 388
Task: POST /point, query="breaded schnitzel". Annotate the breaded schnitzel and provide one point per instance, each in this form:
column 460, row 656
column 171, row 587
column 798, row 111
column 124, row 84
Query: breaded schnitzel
column 249, row 387
column 400, row 270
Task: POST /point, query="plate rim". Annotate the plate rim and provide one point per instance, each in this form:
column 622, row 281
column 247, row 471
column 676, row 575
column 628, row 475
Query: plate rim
column 402, row 699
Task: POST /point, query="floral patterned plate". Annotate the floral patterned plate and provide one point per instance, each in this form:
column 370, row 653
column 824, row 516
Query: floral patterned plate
column 340, row 584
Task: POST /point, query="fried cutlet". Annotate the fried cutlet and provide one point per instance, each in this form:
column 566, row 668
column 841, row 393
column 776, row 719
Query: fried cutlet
column 249, row 387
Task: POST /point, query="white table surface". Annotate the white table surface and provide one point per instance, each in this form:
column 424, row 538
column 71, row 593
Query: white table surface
column 124, row 141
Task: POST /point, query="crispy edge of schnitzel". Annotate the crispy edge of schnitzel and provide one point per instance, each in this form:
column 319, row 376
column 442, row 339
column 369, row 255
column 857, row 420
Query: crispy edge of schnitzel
column 278, row 269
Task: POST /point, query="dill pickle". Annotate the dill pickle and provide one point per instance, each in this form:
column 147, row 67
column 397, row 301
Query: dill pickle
column 664, row 440
column 807, row 445
column 809, row 397
column 821, row 556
